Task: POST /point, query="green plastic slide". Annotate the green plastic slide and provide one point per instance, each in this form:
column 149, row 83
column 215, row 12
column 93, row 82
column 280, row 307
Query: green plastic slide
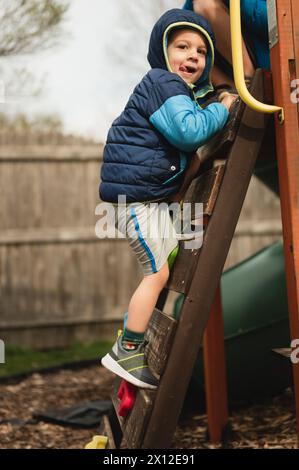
column 255, row 312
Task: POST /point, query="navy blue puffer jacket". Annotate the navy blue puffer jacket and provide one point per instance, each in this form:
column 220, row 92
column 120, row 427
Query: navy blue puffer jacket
column 149, row 145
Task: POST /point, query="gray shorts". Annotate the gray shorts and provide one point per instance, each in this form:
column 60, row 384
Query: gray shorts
column 150, row 232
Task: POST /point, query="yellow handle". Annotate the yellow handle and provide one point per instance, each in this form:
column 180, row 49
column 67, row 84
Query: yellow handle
column 236, row 40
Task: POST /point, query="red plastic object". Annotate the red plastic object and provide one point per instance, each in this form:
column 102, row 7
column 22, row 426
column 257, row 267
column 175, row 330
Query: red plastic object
column 127, row 394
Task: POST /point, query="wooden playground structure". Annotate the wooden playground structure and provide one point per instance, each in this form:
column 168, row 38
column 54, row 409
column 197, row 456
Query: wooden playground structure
column 150, row 419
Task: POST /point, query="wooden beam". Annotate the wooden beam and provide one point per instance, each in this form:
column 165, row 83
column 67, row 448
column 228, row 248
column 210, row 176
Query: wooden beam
column 285, row 68
column 105, row 430
column 215, row 372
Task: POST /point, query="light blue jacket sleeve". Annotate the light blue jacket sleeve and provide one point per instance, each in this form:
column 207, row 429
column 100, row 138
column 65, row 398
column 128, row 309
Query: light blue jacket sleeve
column 185, row 125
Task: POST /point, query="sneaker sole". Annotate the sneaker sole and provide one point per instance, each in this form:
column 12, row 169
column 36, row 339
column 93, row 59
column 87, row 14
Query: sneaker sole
column 108, row 362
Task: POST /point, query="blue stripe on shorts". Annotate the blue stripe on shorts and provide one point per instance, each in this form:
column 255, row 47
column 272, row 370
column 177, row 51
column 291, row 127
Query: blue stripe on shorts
column 142, row 241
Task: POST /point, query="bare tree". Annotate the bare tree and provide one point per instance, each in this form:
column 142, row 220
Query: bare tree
column 134, row 23
column 23, row 124
column 132, row 26
column 29, row 25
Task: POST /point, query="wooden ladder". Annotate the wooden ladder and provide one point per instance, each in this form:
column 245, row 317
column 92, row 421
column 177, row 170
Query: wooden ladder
column 174, row 344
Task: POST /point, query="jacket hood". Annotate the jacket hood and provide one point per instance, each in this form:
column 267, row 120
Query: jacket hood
column 175, row 19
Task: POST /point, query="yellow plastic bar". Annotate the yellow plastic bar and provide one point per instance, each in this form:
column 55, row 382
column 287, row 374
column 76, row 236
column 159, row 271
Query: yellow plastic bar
column 236, row 40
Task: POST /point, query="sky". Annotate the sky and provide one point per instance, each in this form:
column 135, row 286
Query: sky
column 90, row 76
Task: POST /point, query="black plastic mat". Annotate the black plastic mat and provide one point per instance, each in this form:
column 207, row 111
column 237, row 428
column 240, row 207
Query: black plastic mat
column 86, row 415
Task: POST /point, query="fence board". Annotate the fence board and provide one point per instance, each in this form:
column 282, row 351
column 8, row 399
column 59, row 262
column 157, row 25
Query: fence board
column 53, row 270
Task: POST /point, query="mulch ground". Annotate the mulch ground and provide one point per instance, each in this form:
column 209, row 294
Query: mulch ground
column 271, row 425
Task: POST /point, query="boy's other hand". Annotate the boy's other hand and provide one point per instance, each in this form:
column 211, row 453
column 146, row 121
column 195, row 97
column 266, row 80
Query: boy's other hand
column 227, row 99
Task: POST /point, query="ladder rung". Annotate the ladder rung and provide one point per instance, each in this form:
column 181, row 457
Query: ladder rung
column 135, row 425
column 160, row 334
column 183, row 269
column 205, row 189
column 219, row 145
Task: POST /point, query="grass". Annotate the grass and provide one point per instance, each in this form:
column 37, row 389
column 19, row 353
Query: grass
column 19, row 360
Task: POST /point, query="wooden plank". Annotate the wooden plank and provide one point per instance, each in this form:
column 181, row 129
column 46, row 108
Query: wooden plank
column 219, row 146
column 160, row 334
column 285, row 67
column 136, row 423
column 116, row 401
column 183, row 269
column 253, row 228
column 48, row 153
column 205, row 188
column 162, row 299
column 41, row 287
column 105, row 430
column 115, row 426
column 283, row 352
column 40, row 195
column 198, row 302
column 41, row 236
column 295, row 16
column 215, row 372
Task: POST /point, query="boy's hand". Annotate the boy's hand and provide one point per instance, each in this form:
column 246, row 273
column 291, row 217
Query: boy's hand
column 227, row 99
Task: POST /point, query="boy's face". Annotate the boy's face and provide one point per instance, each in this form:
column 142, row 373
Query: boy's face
column 187, row 52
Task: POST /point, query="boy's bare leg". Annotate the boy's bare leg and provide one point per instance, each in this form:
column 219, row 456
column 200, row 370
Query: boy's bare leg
column 217, row 14
column 144, row 300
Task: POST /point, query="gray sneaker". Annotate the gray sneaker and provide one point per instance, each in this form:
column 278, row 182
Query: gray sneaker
column 130, row 365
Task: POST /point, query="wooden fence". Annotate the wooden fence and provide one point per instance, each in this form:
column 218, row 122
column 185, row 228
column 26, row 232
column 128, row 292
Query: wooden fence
column 58, row 281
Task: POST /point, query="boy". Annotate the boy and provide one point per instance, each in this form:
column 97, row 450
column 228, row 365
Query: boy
column 149, row 156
